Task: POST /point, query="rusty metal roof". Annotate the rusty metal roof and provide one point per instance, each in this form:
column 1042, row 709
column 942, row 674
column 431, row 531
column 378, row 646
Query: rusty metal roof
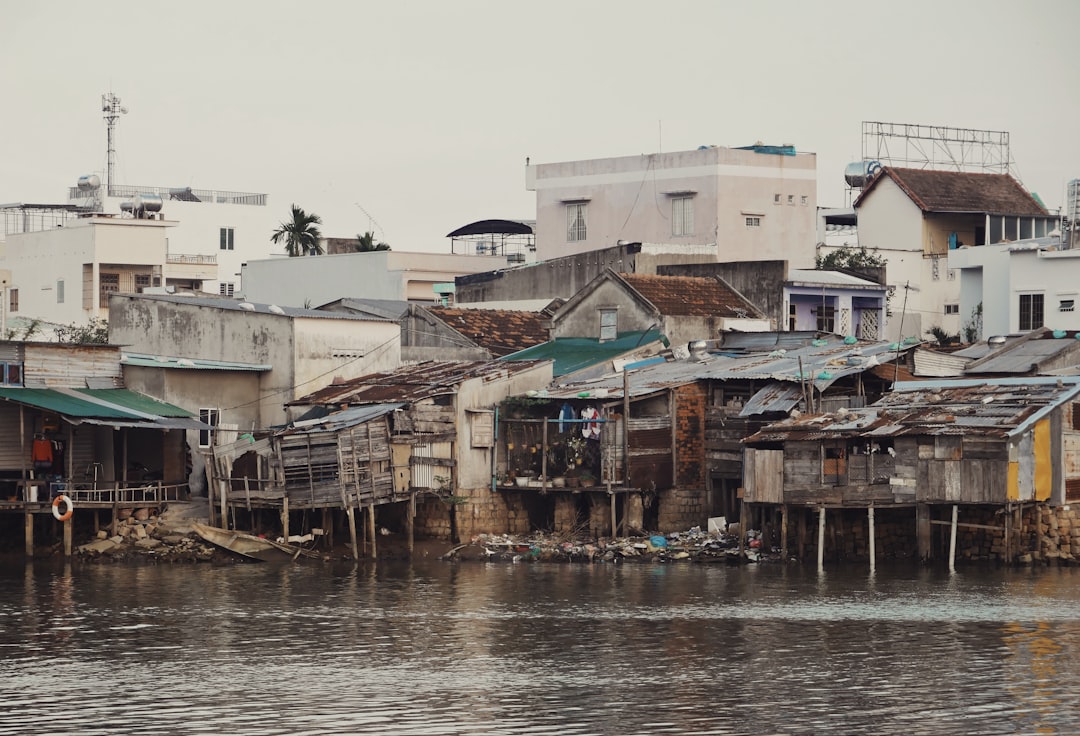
column 1000, row 408
column 412, row 383
column 823, row 363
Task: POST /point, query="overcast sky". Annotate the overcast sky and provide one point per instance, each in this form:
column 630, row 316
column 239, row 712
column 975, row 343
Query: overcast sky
column 414, row 118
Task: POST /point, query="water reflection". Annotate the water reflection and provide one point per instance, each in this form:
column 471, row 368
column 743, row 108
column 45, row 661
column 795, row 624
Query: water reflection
column 440, row 648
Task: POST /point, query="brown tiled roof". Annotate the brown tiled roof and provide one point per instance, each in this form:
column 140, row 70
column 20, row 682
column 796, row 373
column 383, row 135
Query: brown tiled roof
column 958, row 191
column 502, row 331
column 691, row 296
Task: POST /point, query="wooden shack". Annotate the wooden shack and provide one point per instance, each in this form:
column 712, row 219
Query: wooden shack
column 927, row 453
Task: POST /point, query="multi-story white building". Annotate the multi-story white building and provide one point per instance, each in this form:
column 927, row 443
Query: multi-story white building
column 752, row 203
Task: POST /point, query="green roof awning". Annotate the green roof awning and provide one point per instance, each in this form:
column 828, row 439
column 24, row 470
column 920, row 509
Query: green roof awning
column 575, row 353
column 116, row 407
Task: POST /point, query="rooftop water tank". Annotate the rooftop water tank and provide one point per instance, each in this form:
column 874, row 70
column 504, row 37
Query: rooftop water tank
column 859, row 173
column 89, row 181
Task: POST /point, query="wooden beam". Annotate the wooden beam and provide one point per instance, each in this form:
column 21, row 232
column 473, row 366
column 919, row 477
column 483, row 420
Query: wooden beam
column 871, row 542
column 820, row 538
column 968, row 526
column 952, row 540
column 29, row 524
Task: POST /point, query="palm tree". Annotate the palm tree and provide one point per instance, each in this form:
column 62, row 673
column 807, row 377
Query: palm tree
column 301, row 234
column 367, row 243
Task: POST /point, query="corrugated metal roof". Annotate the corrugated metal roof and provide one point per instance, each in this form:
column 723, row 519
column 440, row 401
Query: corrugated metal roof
column 576, row 353
column 989, row 407
column 143, row 360
column 343, row 419
column 411, row 383
column 112, row 407
column 1024, row 355
column 774, row 396
column 830, row 278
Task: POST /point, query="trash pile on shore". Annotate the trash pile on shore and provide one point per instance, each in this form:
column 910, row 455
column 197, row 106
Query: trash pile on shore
column 145, row 535
column 692, row 545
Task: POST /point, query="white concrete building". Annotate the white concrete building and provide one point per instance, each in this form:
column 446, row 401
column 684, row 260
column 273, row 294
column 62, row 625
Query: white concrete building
column 386, row 274
column 1018, row 287
column 752, row 203
column 914, row 218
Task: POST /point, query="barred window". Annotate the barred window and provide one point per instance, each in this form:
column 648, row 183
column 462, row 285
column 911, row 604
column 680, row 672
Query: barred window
column 576, row 229
column 682, row 216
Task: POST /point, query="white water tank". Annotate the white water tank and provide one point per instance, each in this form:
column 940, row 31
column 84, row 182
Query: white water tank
column 89, row 181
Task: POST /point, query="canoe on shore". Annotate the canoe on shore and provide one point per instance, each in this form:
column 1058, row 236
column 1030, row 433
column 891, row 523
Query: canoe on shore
column 249, row 545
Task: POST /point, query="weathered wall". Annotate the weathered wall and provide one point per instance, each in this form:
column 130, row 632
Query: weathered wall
column 761, row 282
column 583, row 318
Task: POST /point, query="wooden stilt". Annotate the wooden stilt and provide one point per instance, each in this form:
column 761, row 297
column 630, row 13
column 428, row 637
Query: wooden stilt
column 28, row 521
column 744, row 518
column 871, row 542
column 614, row 525
column 410, row 521
column 922, row 531
column 800, row 534
column 285, row 518
column 784, row 530
column 1038, row 531
column 821, row 539
column 350, row 512
column 371, row 530
column 223, row 486
column 67, row 535
column 1008, row 533
column 952, row 539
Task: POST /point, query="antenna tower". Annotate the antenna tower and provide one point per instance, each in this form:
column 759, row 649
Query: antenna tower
column 110, row 105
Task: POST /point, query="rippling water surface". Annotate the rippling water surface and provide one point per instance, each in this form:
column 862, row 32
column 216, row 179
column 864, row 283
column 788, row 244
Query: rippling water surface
column 475, row 648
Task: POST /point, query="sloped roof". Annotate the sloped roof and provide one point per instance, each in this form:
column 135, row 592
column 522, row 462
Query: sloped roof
column 410, row 383
column 997, row 408
column 1027, row 354
column 115, row 407
column 959, row 191
column 573, row 354
column 691, row 296
column 501, row 331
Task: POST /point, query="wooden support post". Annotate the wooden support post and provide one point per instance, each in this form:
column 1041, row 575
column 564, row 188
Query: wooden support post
column 29, row 523
column 410, row 521
column 784, row 530
column 223, row 488
column 350, row 512
column 1038, row 531
column 371, row 530
column 872, row 544
column 67, row 535
column 115, row 523
column 614, row 527
column 285, row 518
column 952, row 539
column 1008, row 533
column 744, row 519
column 800, row 534
column 922, row 531
column 821, row 539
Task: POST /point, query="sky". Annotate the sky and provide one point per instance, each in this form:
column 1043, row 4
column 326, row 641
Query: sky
column 411, row 119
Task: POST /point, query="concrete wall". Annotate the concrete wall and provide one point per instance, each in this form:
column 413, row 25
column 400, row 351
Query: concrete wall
column 38, row 261
column 996, row 276
column 314, row 280
column 631, row 198
column 583, row 318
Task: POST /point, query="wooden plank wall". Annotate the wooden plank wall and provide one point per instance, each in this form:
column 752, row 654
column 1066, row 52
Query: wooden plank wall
column 650, row 452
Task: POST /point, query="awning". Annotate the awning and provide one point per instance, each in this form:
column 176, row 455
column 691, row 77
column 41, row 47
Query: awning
column 113, row 407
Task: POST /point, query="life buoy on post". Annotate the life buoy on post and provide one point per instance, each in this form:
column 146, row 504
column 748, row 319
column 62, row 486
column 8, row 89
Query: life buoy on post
column 68, row 505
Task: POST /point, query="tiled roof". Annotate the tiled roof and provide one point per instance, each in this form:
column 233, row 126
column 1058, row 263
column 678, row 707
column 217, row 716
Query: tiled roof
column 691, row 296
column 958, row 191
column 502, row 331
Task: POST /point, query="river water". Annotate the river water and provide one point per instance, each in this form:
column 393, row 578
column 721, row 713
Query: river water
column 564, row 649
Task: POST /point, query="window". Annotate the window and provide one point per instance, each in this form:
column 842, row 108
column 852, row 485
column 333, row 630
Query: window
column 682, row 216
column 1031, row 311
column 59, row 291
column 776, row 199
column 753, row 221
column 576, row 230
column 142, row 281
column 110, row 284
column 804, row 200
column 13, row 300
column 226, row 238
column 11, row 374
column 226, row 288
column 952, row 309
column 826, row 319
column 609, row 324
column 792, row 317
column 791, row 199
column 211, row 417
column 1066, row 305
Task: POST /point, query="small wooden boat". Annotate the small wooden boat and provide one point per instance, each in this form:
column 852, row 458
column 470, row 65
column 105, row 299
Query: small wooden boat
column 249, row 545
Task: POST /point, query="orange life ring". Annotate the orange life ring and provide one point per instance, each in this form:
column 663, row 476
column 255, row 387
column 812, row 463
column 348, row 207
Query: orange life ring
column 62, row 499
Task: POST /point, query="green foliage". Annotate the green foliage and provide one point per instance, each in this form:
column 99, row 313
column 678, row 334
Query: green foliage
column 32, row 328
column 850, row 257
column 973, row 329
column 367, row 243
column 943, row 338
column 96, row 332
column 301, row 234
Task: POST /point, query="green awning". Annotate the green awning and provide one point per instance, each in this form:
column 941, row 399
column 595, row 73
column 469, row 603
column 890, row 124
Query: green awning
column 115, row 407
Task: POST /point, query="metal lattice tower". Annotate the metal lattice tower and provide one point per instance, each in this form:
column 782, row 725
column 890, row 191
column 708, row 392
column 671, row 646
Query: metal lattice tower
column 937, row 147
